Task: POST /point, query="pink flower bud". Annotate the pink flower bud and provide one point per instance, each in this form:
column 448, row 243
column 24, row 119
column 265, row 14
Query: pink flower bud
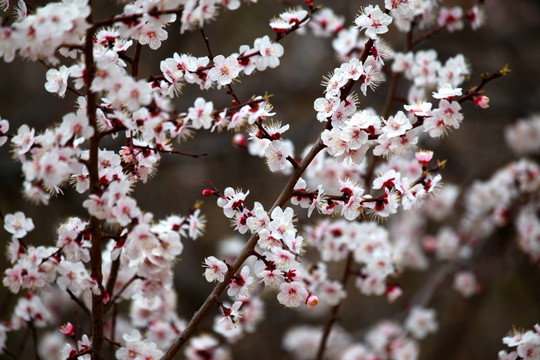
column 393, row 292
column 240, row 142
column 67, row 329
column 430, row 244
column 481, row 101
column 424, row 157
column 311, row 301
column 208, row 192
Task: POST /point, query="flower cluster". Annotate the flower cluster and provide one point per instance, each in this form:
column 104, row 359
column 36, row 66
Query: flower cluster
column 116, row 261
column 527, row 344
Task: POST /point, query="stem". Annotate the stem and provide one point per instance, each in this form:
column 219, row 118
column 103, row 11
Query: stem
column 207, row 42
column 135, row 62
column 35, row 338
column 168, row 151
column 335, row 309
column 112, row 302
column 391, row 94
column 92, row 165
column 79, row 302
column 135, row 17
column 113, row 275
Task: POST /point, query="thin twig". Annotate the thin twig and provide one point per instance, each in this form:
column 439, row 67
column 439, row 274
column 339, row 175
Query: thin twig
column 35, row 338
column 335, row 309
column 79, row 302
column 134, row 17
column 148, row 148
column 135, row 62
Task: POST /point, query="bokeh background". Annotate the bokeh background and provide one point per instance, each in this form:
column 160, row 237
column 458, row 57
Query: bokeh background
column 469, row 329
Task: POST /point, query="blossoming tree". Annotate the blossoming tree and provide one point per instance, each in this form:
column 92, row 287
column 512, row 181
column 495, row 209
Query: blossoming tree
column 116, row 263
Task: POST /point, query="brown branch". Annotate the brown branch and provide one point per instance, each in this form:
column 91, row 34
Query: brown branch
column 116, row 296
column 254, row 53
column 135, row 61
column 113, row 275
column 34, row 338
column 486, row 77
column 207, row 42
column 391, row 97
column 79, row 302
column 134, row 17
column 92, row 165
column 148, row 148
column 335, row 309
column 425, row 36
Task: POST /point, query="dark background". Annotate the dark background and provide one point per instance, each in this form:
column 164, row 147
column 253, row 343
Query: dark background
column 469, row 329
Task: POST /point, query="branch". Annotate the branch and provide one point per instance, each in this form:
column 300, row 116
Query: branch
column 283, row 197
column 93, row 171
column 335, row 309
column 79, row 302
column 148, row 148
column 486, row 77
column 134, row 17
column 35, row 338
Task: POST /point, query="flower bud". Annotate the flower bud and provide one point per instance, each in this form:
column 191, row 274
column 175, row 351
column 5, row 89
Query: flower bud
column 393, row 292
column 208, row 192
column 481, row 101
column 311, row 301
column 239, row 141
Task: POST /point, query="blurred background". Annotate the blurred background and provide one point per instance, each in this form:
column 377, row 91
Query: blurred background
column 469, row 329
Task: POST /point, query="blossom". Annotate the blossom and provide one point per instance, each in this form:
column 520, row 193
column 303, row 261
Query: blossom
column 68, row 329
column 281, row 225
column 232, row 201
column 476, row 17
column 396, row 125
column 421, row 322
column 424, row 157
column 57, row 81
column 138, row 348
column 153, row 34
column 200, row 114
column 446, row 91
column 465, row 283
column 225, row 70
column 481, row 101
column 326, row 23
column 325, row 107
column 228, row 323
column 18, row 224
column 292, row 294
column 419, row 109
column 451, row 18
column 374, row 21
column 196, row 224
column 133, row 94
column 215, row 269
column 277, row 154
column 24, row 139
column 445, row 116
column 240, row 284
column 311, row 301
column 270, row 53
column 4, row 127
